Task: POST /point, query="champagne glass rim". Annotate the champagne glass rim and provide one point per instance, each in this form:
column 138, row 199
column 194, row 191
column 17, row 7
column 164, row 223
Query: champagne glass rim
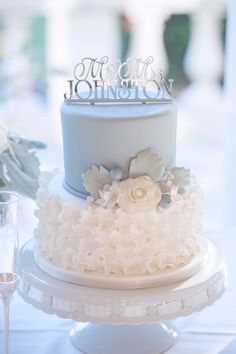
column 13, row 197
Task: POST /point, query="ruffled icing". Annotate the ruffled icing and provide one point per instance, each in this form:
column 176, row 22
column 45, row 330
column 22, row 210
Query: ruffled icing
column 81, row 236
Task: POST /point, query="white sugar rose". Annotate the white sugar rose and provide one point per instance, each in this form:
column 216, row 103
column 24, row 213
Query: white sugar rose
column 139, row 194
column 3, row 137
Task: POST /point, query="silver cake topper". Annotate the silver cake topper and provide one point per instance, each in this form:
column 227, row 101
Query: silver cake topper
column 103, row 81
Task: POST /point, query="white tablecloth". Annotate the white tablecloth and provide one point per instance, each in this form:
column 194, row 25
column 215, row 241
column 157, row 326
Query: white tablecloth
column 210, row 331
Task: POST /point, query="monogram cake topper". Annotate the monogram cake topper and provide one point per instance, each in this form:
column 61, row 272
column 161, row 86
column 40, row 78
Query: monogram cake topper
column 98, row 80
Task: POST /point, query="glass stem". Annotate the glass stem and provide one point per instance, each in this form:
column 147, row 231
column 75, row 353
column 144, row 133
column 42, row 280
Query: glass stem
column 5, row 303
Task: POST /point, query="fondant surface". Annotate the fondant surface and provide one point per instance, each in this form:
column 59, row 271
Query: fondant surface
column 111, row 134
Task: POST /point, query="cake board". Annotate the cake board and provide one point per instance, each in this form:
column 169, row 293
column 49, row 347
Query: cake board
column 121, row 321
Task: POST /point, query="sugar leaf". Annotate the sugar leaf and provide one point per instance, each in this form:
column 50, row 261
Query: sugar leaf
column 95, row 179
column 180, row 177
column 147, row 163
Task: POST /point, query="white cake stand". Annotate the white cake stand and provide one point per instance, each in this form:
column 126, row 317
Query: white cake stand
column 137, row 312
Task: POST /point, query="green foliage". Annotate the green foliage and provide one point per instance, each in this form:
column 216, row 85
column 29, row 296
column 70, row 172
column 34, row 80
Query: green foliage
column 125, row 36
column 38, row 41
column 176, row 38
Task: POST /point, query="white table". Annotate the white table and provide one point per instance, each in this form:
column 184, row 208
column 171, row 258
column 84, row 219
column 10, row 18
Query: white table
column 211, row 331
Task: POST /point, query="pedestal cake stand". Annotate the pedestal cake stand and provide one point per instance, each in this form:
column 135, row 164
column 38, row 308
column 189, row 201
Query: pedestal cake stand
column 122, row 321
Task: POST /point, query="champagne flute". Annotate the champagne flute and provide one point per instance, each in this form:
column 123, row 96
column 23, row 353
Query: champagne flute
column 8, row 256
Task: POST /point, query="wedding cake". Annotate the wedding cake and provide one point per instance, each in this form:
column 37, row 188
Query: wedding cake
column 122, row 212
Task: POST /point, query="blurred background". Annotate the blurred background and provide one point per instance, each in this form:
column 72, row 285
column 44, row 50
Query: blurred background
column 42, row 41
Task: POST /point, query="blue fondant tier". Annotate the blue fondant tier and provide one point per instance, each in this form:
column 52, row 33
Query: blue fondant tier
column 112, row 134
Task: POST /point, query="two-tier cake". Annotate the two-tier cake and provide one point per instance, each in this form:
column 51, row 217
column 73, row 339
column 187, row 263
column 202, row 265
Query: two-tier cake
column 122, row 214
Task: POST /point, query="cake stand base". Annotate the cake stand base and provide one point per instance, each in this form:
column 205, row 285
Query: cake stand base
column 124, row 339
column 112, row 321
